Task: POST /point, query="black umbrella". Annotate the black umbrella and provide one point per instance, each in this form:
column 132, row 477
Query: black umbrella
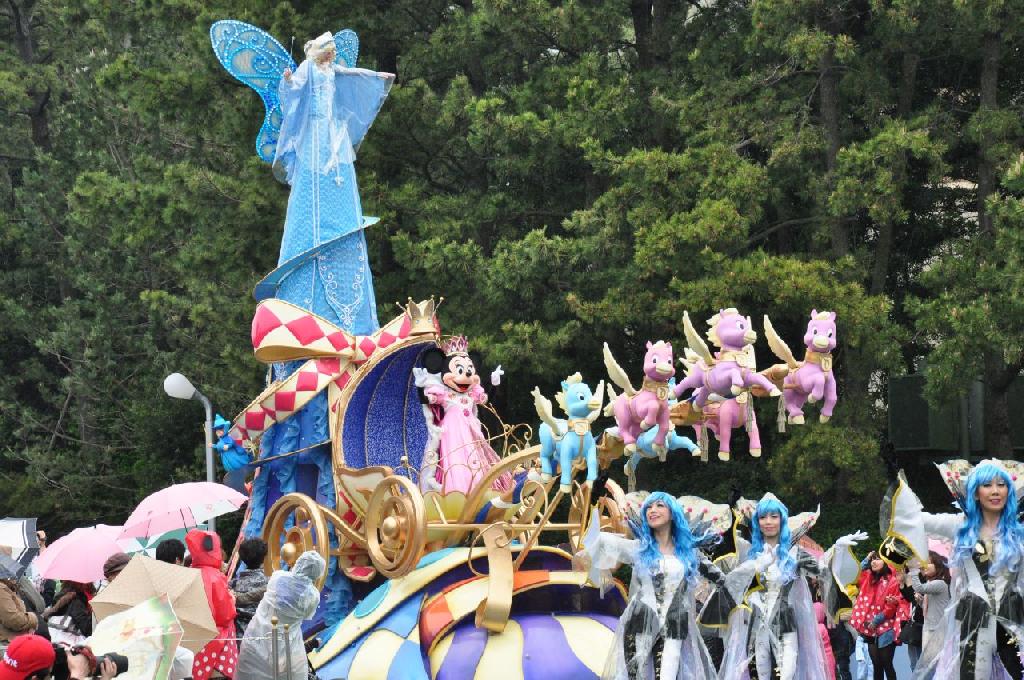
column 19, row 533
column 10, row 570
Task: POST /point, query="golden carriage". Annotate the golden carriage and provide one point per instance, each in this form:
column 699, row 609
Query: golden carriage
column 383, row 522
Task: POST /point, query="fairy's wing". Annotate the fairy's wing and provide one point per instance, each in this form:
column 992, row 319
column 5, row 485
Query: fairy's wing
column 347, row 44
column 255, row 58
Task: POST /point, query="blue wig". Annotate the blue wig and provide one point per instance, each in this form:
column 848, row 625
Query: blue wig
column 1010, row 532
column 785, row 562
column 684, row 542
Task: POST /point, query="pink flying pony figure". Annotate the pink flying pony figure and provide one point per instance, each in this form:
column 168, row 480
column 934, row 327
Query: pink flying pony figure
column 639, row 410
column 810, row 380
column 720, row 416
column 732, row 370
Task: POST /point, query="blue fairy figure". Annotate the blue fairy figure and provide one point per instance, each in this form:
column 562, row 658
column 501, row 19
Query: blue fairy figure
column 317, row 115
column 233, row 456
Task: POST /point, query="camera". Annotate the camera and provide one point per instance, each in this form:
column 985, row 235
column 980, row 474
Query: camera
column 119, row 660
column 62, row 668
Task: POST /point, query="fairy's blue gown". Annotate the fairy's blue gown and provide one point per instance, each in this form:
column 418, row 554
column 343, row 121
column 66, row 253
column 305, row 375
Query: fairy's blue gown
column 323, row 267
column 327, row 111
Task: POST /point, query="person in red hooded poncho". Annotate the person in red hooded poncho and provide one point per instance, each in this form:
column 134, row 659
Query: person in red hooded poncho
column 879, row 612
column 221, row 653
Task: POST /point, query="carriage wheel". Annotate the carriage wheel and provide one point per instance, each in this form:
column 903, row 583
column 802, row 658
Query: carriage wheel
column 308, row 532
column 396, row 526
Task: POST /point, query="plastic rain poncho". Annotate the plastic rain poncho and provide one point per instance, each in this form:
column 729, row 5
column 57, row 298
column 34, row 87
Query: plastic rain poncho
column 986, row 605
column 658, row 629
column 776, row 632
column 292, row 596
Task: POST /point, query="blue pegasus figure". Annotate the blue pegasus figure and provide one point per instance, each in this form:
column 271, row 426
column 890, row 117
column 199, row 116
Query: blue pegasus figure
column 564, row 441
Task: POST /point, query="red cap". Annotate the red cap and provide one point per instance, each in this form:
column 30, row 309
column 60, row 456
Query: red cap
column 27, row 654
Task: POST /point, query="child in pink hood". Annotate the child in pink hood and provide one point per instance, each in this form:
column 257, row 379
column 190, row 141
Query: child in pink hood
column 830, row 659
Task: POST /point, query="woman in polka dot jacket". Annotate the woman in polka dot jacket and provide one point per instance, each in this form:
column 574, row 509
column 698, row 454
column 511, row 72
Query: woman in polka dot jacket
column 879, row 612
column 221, row 653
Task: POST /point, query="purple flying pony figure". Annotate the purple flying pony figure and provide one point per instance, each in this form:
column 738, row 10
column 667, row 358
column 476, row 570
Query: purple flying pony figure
column 732, row 369
column 640, row 410
column 721, row 417
column 810, row 380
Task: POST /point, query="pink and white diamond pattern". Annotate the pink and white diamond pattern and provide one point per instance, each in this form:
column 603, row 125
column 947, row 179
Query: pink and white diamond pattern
column 283, row 332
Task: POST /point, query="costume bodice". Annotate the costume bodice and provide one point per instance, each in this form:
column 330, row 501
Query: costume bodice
column 995, row 581
column 322, row 89
column 666, row 577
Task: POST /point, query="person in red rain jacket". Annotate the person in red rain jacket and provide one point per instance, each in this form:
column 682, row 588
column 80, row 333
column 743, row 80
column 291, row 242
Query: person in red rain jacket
column 221, row 653
column 878, row 613
column 826, row 641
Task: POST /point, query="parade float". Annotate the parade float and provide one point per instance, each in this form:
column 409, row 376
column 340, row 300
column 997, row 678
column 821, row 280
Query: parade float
column 368, row 444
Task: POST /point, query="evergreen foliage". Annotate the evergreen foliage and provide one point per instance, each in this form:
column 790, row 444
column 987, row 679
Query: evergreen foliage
column 562, row 172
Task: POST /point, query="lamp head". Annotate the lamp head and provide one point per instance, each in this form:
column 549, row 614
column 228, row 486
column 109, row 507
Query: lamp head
column 176, row 385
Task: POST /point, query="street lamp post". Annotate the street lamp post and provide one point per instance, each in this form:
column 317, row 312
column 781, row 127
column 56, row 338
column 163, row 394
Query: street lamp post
column 178, row 386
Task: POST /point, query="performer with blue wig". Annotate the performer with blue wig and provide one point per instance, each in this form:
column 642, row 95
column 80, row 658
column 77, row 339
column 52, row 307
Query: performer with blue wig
column 775, row 635
column 985, row 619
column 657, row 634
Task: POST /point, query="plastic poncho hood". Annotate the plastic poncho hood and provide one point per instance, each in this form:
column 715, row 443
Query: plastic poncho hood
column 292, row 594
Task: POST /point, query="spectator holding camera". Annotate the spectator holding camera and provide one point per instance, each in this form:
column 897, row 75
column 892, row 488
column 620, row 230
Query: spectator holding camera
column 79, row 663
column 31, row 657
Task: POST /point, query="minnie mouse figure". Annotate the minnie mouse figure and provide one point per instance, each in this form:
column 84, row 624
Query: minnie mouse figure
column 458, row 456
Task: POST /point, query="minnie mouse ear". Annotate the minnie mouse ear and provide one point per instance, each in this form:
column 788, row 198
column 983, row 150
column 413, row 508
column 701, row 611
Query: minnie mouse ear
column 207, row 542
column 477, row 359
column 433, row 360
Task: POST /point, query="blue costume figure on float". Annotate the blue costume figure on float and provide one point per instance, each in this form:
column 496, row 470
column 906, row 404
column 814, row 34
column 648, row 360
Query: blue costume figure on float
column 233, row 457
column 327, row 109
column 316, row 116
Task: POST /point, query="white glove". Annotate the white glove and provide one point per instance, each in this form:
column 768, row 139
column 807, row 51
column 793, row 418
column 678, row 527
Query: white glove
column 851, row 539
column 422, row 377
column 496, row 376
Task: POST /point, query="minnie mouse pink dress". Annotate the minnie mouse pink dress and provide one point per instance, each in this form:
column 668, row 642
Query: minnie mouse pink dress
column 464, row 455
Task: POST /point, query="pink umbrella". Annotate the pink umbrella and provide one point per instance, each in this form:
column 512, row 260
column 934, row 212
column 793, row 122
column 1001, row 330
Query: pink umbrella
column 941, row 547
column 181, row 506
column 810, row 546
column 80, row 555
